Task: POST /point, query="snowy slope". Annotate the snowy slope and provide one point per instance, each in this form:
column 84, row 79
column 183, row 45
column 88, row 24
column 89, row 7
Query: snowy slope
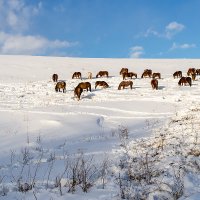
column 34, row 117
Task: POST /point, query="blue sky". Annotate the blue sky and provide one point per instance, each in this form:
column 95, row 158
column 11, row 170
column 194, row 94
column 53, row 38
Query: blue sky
column 101, row 28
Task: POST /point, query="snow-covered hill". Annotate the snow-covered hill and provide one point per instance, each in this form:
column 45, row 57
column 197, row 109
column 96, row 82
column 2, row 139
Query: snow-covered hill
column 41, row 130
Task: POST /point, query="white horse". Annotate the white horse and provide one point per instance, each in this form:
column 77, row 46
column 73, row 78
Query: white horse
column 89, row 75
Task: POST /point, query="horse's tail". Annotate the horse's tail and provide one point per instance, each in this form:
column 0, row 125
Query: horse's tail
column 119, row 88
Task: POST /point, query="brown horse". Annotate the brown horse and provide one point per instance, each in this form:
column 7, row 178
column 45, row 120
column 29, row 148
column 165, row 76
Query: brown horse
column 193, row 77
column 156, row 75
column 102, row 73
column 191, row 71
column 147, row 73
column 198, row 71
column 85, row 85
column 102, row 84
column 55, row 77
column 76, row 75
column 124, row 84
column 177, row 74
column 60, row 85
column 129, row 74
column 123, row 70
column 185, row 80
column 77, row 92
column 154, row 84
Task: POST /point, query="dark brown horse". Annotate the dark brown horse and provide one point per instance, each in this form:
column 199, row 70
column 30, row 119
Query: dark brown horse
column 156, row 75
column 60, row 85
column 177, row 74
column 101, row 84
column 185, row 81
column 129, row 74
column 77, row 92
column 198, row 71
column 55, row 77
column 76, row 75
column 154, row 84
column 85, row 85
column 123, row 70
column 102, row 73
column 147, row 73
column 124, row 84
column 191, row 71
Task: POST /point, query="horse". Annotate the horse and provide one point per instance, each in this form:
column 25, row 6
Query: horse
column 185, row 80
column 102, row 73
column 158, row 75
column 147, row 73
column 177, row 74
column 129, row 74
column 77, row 92
column 76, row 75
column 60, row 85
column 193, row 77
column 85, row 85
column 198, row 71
column 55, row 77
column 102, row 84
column 191, row 71
column 154, row 83
column 125, row 84
column 89, row 75
column 123, row 70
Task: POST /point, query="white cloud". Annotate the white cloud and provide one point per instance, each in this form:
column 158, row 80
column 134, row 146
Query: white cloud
column 151, row 31
column 174, row 26
column 29, row 45
column 15, row 15
column 137, row 48
column 136, row 52
column 15, row 18
column 182, row 46
column 170, row 30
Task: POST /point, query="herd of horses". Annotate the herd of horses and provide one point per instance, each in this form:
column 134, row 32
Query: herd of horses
column 61, row 85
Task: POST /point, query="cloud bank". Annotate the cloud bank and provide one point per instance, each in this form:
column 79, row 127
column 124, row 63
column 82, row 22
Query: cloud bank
column 136, row 52
column 15, row 20
column 29, row 45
